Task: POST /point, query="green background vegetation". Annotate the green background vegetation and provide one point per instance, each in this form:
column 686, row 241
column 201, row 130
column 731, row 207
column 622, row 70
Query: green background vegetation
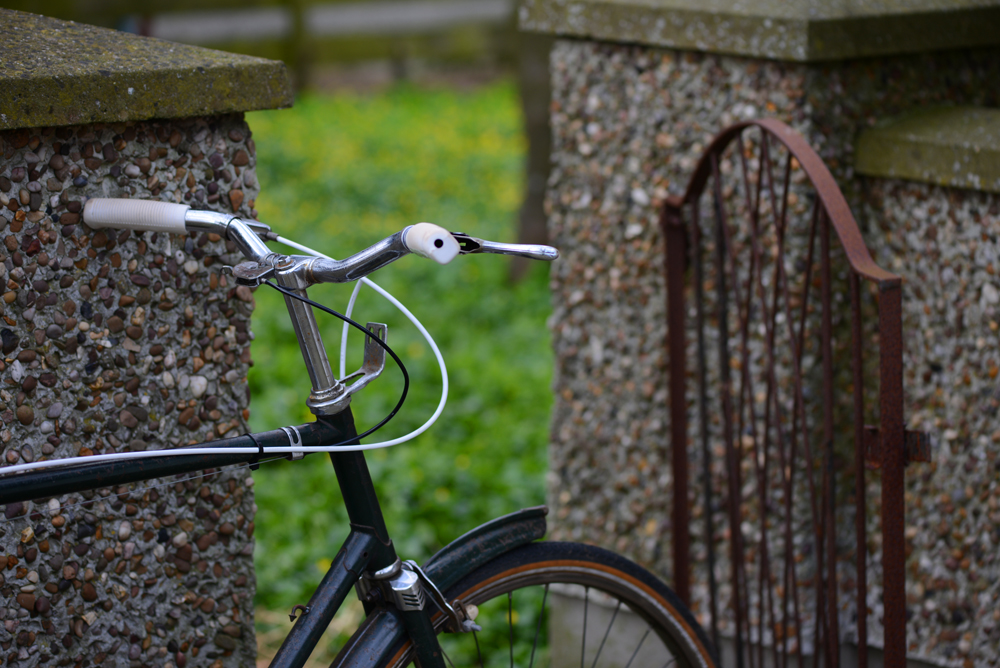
column 339, row 173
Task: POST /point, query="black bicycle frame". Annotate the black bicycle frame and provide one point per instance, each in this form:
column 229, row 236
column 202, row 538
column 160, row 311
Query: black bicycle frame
column 368, row 546
column 45, row 483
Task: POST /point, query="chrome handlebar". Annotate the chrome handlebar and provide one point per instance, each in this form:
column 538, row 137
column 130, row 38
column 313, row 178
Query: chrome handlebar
column 295, row 273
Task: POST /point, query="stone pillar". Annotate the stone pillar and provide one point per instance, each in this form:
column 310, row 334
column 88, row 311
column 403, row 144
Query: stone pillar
column 932, row 202
column 637, row 94
column 116, row 341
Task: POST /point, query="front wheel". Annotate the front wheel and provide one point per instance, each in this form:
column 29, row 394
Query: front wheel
column 562, row 605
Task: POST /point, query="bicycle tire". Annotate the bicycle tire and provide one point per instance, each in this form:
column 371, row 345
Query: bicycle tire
column 543, row 565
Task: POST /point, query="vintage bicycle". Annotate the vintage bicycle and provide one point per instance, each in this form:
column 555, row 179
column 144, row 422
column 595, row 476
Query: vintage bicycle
column 497, row 578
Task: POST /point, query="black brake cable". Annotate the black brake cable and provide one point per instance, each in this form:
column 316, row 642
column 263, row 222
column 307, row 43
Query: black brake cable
column 392, row 414
column 380, row 342
column 249, row 466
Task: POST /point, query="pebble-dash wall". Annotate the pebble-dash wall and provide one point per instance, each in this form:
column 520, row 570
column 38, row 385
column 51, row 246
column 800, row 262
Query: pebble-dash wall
column 115, row 341
column 944, row 242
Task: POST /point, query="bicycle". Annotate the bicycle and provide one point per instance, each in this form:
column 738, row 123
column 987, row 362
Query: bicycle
column 467, row 589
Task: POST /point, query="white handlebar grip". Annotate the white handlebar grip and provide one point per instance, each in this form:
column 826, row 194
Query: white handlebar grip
column 431, row 241
column 135, row 214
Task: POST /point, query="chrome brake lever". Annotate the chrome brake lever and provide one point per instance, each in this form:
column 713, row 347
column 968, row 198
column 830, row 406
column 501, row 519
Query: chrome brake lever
column 469, row 245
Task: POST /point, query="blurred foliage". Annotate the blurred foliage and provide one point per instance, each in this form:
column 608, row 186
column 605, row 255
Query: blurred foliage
column 339, row 173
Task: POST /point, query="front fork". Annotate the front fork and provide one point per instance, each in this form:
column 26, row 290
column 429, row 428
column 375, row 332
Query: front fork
column 367, row 555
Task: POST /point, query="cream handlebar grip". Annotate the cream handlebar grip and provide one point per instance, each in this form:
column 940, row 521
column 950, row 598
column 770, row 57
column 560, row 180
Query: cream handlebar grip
column 135, row 214
column 431, row 241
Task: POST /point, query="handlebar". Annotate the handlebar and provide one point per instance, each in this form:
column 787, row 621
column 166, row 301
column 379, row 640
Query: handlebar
column 424, row 239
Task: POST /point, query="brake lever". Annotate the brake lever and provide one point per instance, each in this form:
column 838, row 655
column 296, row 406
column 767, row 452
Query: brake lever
column 469, row 245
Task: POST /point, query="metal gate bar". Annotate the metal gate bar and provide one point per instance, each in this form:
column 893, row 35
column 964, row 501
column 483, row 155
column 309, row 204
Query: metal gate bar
column 773, row 383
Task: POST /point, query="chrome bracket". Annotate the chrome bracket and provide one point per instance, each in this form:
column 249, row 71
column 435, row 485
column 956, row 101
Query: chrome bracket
column 368, row 586
column 250, row 273
column 293, row 440
column 374, row 360
column 461, row 618
column 406, row 586
column 405, row 590
column 337, row 397
column 397, row 584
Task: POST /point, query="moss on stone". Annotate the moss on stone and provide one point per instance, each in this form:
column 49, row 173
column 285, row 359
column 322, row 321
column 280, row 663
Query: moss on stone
column 953, row 146
column 64, row 73
column 794, row 30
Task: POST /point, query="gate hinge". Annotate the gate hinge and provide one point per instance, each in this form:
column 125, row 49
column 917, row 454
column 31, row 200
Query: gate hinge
column 917, row 444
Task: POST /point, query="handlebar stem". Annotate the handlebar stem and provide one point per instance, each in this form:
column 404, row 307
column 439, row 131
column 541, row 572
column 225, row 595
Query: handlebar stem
column 296, row 273
column 328, row 396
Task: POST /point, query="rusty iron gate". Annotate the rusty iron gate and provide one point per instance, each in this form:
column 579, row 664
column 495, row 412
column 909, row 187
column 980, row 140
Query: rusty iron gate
column 788, row 329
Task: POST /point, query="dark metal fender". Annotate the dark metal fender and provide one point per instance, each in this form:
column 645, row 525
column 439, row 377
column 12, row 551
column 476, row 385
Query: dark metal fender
column 485, row 543
column 383, row 630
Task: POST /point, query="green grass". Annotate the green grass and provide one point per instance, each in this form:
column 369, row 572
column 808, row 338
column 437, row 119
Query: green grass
column 339, row 173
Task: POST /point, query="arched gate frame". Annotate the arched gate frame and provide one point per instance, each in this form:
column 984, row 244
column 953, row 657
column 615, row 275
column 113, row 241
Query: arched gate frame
column 775, row 429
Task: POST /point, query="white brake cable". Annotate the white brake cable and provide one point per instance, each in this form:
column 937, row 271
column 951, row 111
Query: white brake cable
column 93, row 459
column 416, row 323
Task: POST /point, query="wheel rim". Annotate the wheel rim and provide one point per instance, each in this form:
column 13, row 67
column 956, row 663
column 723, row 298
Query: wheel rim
column 546, row 598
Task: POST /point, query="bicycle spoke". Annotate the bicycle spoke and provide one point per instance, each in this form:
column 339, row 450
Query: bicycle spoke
column 510, row 624
column 606, row 633
column 538, row 629
column 447, row 658
column 583, row 644
column 638, row 647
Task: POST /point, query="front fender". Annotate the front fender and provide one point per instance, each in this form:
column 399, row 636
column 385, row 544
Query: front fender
column 485, row 543
column 382, row 633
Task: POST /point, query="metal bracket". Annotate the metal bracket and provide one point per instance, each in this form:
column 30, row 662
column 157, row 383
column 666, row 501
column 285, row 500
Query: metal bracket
column 406, row 586
column 374, row 360
column 461, row 620
column 250, row 273
column 405, row 590
column 397, row 583
column 369, row 585
column 293, row 440
column 916, row 443
column 303, row 608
